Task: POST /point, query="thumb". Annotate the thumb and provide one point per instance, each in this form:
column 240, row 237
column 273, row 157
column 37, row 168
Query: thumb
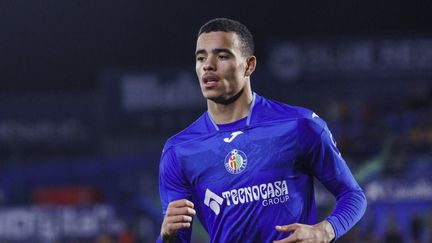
column 287, row 228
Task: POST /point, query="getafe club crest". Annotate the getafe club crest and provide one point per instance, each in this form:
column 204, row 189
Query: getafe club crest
column 235, row 161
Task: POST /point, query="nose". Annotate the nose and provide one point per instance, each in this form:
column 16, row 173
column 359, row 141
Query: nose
column 209, row 64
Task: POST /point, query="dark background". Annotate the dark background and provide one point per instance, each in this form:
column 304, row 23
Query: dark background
column 91, row 90
column 61, row 45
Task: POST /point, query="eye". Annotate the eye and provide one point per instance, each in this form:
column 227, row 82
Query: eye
column 223, row 57
column 200, row 58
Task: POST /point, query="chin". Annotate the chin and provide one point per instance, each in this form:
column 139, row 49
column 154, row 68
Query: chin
column 214, row 98
column 211, row 94
column 223, row 100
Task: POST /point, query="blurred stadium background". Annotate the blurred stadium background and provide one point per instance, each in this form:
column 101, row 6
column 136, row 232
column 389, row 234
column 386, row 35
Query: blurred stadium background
column 90, row 90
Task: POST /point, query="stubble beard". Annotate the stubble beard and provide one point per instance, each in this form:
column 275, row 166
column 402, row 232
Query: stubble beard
column 226, row 101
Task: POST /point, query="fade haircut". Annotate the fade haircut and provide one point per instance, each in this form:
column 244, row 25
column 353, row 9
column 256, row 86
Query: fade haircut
column 229, row 25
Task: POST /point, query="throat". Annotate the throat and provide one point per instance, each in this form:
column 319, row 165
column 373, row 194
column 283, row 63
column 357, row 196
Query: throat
column 227, row 117
column 231, row 112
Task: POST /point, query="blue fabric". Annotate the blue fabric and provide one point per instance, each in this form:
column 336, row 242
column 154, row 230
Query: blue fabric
column 245, row 179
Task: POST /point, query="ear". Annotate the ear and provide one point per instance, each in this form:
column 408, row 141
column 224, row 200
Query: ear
column 250, row 65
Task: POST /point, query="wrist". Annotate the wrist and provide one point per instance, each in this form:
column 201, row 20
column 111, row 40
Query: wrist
column 327, row 229
column 167, row 238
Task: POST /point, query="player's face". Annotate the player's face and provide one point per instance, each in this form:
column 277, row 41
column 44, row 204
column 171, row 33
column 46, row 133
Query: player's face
column 220, row 66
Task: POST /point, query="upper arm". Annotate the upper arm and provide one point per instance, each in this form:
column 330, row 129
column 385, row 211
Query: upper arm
column 322, row 158
column 173, row 185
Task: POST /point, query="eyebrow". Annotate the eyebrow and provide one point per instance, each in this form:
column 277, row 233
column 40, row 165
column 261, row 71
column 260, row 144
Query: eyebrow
column 216, row 51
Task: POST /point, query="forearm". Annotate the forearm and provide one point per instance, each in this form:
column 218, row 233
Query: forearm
column 349, row 209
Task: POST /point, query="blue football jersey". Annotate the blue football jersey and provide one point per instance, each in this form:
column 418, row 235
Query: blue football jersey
column 253, row 174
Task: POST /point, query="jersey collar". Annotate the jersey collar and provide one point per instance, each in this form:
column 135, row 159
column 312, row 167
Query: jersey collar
column 248, row 120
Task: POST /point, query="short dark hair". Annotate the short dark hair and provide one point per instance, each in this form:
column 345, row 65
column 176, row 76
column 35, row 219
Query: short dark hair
column 229, row 25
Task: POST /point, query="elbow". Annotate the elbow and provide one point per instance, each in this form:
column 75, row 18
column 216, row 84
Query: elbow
column 363, row 202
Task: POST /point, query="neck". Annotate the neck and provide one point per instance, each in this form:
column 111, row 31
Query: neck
column 231, row 112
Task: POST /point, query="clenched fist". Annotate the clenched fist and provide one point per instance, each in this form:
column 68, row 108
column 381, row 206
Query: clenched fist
column 178, row 216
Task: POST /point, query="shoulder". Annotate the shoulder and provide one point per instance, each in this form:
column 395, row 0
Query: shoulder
column 195, row 130
column 271, row 110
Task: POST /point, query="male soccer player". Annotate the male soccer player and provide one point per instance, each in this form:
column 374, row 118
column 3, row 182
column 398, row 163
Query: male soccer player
column 246, row 166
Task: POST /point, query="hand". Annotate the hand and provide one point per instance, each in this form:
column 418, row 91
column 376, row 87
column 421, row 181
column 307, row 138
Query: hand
column 322, row 232
column 178, row 216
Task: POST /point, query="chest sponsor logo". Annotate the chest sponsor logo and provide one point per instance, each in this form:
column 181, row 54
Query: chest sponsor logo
column 235, row 161
column 233, row 136
column 213, row 201
column 267, row 194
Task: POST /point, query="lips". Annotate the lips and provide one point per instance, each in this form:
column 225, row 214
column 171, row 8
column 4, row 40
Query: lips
column 210, row 80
